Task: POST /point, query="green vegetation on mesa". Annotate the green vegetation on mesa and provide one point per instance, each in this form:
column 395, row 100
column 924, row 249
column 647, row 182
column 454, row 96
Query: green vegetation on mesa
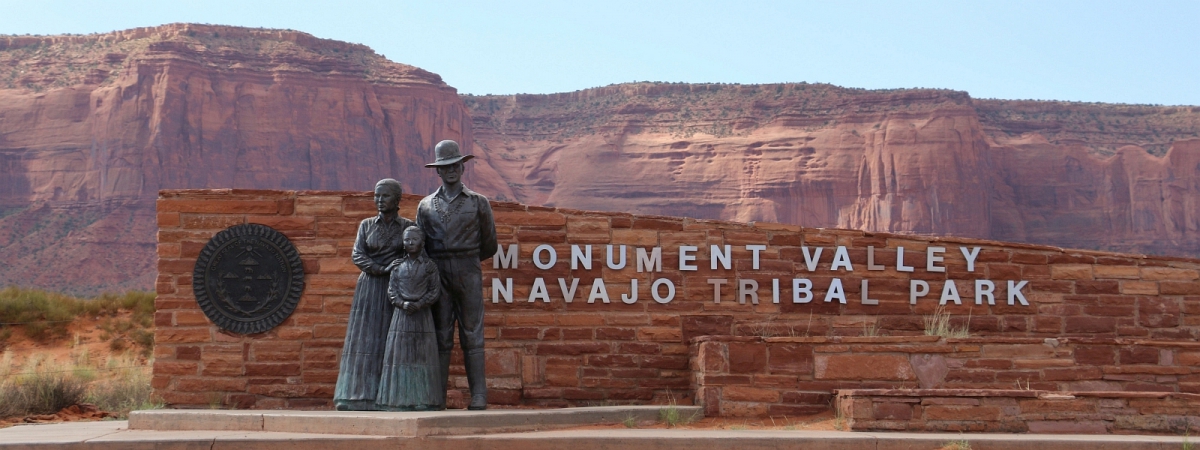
column 45, row 316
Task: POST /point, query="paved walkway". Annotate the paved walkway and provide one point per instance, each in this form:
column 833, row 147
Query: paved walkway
column 113, row 435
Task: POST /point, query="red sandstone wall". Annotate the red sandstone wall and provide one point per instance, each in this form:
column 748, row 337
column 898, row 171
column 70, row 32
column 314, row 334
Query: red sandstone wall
column 754, row 376
column 558, row 353
column 1019, row 411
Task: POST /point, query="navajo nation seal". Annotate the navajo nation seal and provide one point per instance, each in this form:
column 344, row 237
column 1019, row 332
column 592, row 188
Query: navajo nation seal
column 248, row 278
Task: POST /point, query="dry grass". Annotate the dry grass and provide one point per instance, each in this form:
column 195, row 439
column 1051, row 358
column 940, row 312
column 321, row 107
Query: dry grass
column 127, row 390
column 45, row 316
column 36, row 382
column 118, row 385
column 961, row 444
column 938, row 324
column 38, row 388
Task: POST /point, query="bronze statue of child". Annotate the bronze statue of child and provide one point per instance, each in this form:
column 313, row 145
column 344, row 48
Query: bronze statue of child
column 411, row 378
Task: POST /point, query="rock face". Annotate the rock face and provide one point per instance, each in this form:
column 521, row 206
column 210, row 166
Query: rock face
column 1113, row 177
column 91, row 127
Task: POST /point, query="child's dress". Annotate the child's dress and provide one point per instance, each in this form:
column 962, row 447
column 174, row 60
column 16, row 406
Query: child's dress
column 411, row 374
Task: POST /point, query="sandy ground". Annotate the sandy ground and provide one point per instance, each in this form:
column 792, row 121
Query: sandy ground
column 83, row 346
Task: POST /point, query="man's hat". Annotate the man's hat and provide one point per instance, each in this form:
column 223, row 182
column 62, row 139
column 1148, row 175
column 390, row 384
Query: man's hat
column 447, row 153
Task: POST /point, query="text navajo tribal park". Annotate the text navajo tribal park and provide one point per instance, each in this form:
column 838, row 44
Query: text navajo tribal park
column 801, row 290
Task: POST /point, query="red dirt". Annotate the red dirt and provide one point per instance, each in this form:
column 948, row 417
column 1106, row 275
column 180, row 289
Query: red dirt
column 83, row 411
column 82, row 346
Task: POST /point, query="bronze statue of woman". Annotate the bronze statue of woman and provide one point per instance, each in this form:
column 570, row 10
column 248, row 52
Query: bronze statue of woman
column 379, row 243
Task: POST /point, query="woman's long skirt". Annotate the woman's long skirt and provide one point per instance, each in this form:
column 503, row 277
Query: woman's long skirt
column 411, row 378
column 362, row 352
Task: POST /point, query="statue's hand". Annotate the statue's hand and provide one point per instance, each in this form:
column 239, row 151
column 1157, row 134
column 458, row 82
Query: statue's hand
column 409, row 307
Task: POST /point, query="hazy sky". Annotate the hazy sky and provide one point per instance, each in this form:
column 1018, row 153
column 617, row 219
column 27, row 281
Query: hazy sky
column 1104, row 51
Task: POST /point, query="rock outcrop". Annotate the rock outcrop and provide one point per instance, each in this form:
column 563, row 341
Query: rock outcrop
column 91, row 127
column 1112, row 177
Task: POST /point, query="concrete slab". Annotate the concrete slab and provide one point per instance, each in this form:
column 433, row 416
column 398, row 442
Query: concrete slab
column 196, row 419
column 116, row 436
column 405, row 424
column 675, row 439
column 58, row 433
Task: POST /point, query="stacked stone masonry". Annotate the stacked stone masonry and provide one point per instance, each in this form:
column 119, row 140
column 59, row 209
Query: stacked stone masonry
column 786, row 376
column 543, row 350
column 1019, row 411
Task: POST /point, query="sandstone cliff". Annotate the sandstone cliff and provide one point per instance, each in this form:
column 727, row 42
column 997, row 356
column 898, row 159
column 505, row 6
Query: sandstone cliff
column 1114, row 177
column 91, row 127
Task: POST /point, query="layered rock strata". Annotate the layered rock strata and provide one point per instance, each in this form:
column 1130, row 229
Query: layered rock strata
column 91, row 127
column 1111, row 177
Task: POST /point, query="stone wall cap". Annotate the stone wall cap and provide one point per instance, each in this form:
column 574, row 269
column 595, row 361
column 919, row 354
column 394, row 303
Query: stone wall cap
column 1019, row 393
column 939, row 393
column 764, row 226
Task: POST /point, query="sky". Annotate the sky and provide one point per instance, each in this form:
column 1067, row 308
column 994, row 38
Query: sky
column 1145, row 52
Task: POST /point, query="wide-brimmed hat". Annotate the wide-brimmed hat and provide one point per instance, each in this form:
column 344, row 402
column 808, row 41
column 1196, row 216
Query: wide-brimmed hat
column 447, row 153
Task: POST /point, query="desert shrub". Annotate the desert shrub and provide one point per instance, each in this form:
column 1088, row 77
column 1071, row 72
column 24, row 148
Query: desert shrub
column 121, row 334
column 128, row 391
column 145, row 339
column 139, row 302
column 119, row 385
column 46, row 315
column 40, row 393
column 5, row 334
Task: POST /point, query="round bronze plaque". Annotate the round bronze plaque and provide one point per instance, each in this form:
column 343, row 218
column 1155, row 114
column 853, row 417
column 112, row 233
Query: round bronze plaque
column 248, row 278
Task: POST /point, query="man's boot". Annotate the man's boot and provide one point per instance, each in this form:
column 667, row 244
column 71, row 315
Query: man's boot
column 476, row 378
column 444, row 379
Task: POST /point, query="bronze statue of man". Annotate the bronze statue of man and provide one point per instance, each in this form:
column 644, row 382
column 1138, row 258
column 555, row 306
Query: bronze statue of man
column 459, row 234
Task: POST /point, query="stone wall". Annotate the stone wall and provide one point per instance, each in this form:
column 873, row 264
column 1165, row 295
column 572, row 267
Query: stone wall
column 1018, row 411
column 753, row 376
column 607, row 345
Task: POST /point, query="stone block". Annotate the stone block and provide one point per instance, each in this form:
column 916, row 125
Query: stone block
column 572, row 348
column 706, row 325
column 960, row 413
column 218, row 206
column 1089, row 325
column 660, row 334
column 1158, row 312
column 1067, row 427
column 1139, row 287
column 175, row 367
column 637, row 238
column 790, row 358
column 749, row 394
column 1179, row 288
column 882, row 367
column 318, row 206
column 1169, row 273
column 892, row 411
column 1071, row 272
column 179, row 335
column 1119, row 272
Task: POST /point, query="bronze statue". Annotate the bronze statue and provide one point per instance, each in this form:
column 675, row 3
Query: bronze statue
column 410, row 379
column 379, row 243
column 459, row 234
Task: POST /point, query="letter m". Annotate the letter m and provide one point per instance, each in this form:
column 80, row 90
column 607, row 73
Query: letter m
column 505, row 260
